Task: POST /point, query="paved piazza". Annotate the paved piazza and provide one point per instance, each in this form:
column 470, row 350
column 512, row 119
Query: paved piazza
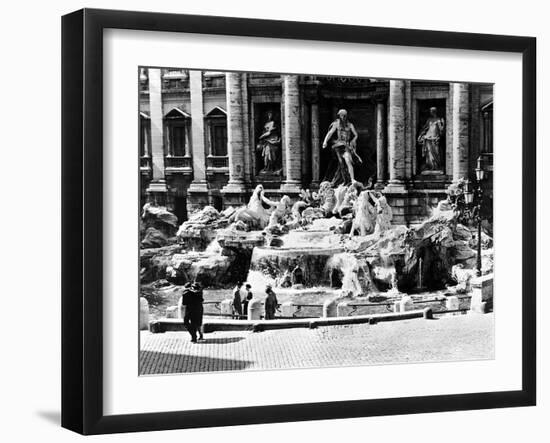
column 464, row 337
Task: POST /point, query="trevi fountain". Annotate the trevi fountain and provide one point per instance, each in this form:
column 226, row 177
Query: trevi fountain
column 337, row 243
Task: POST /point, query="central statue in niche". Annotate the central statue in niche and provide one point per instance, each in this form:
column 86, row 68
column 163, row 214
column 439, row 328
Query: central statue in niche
column 344, row 147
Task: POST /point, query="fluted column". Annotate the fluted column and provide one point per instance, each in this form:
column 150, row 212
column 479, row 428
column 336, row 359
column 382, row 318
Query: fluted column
column 381, row 157
column 235, row 138
column 461, row 133
column 315, row 144
column 197, row 133
column 292, row 134
column 396, row 134
column 157, row 187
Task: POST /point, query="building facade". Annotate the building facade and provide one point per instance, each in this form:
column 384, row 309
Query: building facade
column 202, row 136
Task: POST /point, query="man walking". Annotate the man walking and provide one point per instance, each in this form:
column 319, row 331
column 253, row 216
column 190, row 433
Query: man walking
column 193, row 311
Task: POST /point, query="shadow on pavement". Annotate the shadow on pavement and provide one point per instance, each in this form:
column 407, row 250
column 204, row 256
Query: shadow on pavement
column 220, row 341
column 151, row 362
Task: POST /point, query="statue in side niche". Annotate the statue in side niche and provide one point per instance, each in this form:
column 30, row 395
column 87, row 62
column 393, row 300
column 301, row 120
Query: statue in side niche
column 429, row 138
column 269, row 145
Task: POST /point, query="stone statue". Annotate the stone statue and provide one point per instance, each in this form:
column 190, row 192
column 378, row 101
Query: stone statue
column 329, row 201
column 269, row 145
column 348, row 201
column 429, row 138
column 296, row 214
column 344, row 147
column 364, row 219
column 281, row 211
column 339, row 193
column 254, row 215
column 384, row 214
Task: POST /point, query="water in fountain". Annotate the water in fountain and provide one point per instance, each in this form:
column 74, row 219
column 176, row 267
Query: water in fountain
column 310, row 239
column 347, row 266
column 300, row 261
column 277, row 263
column 214, row 248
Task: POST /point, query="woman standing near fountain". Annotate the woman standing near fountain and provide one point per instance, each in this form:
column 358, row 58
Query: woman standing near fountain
column 271, row 303
column 237, row 302
column 247, row 299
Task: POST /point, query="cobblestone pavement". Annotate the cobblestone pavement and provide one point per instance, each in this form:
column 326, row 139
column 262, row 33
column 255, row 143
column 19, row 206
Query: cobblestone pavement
column 464, row 337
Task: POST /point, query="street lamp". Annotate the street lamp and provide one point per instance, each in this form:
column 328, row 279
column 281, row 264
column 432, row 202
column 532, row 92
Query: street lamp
column 468, row 195
column 473, row 201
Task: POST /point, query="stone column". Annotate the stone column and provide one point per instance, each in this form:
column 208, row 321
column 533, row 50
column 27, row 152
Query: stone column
column 157, row 188
column 487, row 132
column 235, row 190
column 248, row 152
column 292, row 134
column 460, row 107
column 197, row 133
column 197, row 192
column 315, row 145
column 380, row 141
column 305, row 123
column 396, row 136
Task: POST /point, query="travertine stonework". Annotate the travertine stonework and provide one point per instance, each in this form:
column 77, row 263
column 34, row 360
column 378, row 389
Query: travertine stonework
column 386, row 114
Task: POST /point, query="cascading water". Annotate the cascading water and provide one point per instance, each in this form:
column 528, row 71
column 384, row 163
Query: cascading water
column 347, row 266
column 213, row 248
column 280, row 265
column 301, row 260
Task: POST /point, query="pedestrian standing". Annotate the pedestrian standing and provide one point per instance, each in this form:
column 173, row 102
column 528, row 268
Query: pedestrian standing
column 271, row 303
column 247, row 299
column 237, row 302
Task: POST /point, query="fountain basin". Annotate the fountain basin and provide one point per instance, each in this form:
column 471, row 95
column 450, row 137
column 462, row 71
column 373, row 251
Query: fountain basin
column 305, row 239
column 299, row 265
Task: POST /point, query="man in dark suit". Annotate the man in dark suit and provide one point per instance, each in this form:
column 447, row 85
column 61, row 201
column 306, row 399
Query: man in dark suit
column 192, row 298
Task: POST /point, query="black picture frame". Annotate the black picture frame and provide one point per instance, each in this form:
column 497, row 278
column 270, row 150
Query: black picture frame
column 82, row 216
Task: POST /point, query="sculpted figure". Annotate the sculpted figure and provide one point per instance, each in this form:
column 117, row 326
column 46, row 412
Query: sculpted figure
column 344, row 147
column 254, row 215
column 311, row 198
column 384, row 214
column 329, row 201
column 364, row 219
column 280, row 212
column 339, row 194
column 320, row 195
column 429, row 137
column 269, row 144
column 349, row 200
column 296, row 212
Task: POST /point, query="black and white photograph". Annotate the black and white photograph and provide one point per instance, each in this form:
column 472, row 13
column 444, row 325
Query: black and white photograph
column 306, row 221
column 275, row 222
